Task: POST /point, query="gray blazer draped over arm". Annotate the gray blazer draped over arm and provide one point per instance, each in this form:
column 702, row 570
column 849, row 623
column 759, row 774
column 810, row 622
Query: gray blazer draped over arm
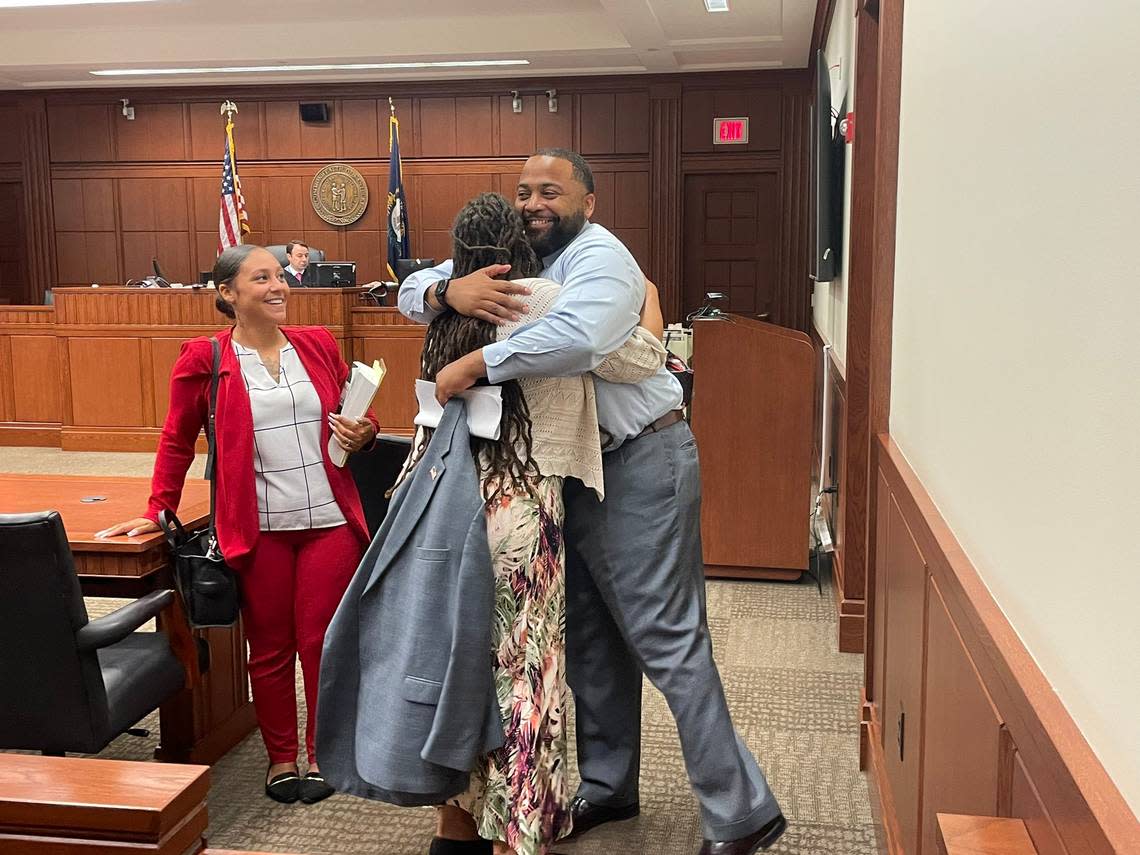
column 407, row 701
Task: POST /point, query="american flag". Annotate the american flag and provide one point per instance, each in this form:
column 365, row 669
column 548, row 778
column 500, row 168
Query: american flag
column 233, row 221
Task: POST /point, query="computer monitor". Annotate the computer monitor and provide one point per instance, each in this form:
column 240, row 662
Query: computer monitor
column 335, row 274
column 205, row 276
column 405, row 267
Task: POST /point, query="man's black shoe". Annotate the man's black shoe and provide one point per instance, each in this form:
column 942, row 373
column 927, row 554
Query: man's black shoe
column 761, row 839
column 587, row 816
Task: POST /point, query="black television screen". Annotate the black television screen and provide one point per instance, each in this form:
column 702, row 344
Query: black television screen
column 335, row 274
column 828, row 156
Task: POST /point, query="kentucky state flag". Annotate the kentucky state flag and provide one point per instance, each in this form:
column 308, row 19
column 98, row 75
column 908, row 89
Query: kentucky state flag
column 397, row 204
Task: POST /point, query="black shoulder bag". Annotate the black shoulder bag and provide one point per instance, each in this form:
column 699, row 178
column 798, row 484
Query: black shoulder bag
column 209, row 587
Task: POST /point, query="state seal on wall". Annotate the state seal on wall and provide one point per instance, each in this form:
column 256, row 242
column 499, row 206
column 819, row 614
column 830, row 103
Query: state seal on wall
column 339, row 194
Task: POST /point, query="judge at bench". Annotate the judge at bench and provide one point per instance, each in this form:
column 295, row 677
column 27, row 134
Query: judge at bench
column 297, row 270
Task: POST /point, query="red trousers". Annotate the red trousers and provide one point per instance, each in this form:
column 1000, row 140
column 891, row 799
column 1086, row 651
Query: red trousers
column 290, row 591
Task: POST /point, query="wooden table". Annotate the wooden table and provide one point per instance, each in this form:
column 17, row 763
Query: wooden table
column 213, row 713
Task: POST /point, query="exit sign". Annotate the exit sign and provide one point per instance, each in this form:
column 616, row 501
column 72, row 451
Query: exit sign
column 730, row 131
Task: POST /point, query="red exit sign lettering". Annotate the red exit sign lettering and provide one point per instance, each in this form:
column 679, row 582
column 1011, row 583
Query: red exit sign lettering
column 732, row 131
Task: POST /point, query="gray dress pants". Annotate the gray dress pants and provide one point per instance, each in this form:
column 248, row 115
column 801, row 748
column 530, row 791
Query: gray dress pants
column 635, row 603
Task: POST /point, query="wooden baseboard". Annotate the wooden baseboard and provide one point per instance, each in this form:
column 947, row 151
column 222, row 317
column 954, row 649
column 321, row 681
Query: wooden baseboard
column 30, row 435
column 768, row 574
column 882, row 802
column 852, row 615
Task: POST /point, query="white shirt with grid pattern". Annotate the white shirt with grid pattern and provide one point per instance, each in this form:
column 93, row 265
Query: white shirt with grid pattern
column 293, row 490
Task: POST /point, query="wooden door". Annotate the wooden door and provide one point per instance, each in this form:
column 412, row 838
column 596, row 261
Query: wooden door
column 13, row 272
column 732, row 236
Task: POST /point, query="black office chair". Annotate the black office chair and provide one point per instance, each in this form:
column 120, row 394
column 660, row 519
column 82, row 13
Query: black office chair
column 69, row 683
column 375, row 472
column 278, row 251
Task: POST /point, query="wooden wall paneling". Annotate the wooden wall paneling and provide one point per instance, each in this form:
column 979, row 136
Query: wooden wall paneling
column 407, row 112
column 163, row 354
column 631, row 123
column 208, row 132
column 1026, row 805
column 7, row 396
column 441, row 197
column 605, row 199
column 98, row 204
column 761, row 104
column 518, row 131
column 157, row 132
column 282, row 131
column 284, row 209
column 665, row 264
column 961, row 754
column 437, row 127
column 79, row 132
column 39, row 220
column 11, row 142
column 901, row 707
column 1087, row 810
column 794, row 294
column 92, row 361
column 597, row 122
column 13, row 244
column 554, row 130
column 35, row 367
column 874, row 689
column 67, row 204
column 318, row 139
column 358, row 122
column 473, row 126
column 855, row 493
column 153, row 204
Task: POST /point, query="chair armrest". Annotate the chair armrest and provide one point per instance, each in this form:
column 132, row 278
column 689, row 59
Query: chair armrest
column 113, row 628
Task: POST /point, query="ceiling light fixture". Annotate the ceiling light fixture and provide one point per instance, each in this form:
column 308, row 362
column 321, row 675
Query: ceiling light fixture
column 28, row 4
column 716, row 5
column 352, row 66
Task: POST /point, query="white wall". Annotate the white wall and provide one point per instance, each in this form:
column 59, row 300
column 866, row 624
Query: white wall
column 829, row 299
column 1016, row 380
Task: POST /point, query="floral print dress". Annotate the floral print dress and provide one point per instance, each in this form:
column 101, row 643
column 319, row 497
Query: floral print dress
column 519, row 794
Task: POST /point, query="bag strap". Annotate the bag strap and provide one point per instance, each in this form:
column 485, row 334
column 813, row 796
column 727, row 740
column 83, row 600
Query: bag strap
column 211, row 434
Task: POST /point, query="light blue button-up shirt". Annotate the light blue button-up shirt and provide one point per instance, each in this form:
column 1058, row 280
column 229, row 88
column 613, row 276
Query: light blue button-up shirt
column 598, row 308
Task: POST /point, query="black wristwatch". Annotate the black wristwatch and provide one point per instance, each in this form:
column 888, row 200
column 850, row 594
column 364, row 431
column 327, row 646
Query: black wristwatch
column 441, row 293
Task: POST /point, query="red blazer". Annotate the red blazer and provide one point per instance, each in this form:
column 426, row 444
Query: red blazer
column 235, row 513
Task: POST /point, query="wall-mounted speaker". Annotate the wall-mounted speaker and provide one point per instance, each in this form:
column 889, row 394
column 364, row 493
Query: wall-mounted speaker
column 314, row 112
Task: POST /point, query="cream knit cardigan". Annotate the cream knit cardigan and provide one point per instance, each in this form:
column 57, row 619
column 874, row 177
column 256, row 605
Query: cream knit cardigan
column 565, row 439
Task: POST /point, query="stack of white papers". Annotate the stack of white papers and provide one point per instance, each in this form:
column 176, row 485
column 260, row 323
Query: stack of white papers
column 484, row 408
column 359, row 391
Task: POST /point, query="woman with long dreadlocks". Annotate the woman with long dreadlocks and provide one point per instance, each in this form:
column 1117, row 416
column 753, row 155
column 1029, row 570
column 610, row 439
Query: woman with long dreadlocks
column 519, row 795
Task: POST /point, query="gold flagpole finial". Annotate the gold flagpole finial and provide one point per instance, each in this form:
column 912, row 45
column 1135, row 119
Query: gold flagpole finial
column 228, row 110
column 391, row 105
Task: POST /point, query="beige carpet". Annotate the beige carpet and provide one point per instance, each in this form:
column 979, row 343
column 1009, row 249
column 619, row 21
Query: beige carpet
column 794, row 699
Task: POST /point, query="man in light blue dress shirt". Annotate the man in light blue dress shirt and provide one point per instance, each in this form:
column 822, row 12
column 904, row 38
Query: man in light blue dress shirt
column 635, row 594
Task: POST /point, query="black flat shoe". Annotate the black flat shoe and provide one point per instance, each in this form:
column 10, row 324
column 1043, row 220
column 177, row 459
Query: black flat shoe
column 314, row 789
column 284, row 788
column 587, row 816
column 443, row 846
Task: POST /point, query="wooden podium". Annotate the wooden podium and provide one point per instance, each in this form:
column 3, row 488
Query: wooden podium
column 753, row 390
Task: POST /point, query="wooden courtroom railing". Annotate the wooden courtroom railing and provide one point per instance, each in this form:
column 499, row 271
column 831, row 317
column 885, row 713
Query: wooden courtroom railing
column 78, row 806
column 92, row 372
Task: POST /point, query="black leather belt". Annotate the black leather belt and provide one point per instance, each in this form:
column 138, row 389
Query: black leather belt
column 670, row 418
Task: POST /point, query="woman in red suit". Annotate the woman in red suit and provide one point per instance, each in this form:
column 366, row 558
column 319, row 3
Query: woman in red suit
column 288, row 520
